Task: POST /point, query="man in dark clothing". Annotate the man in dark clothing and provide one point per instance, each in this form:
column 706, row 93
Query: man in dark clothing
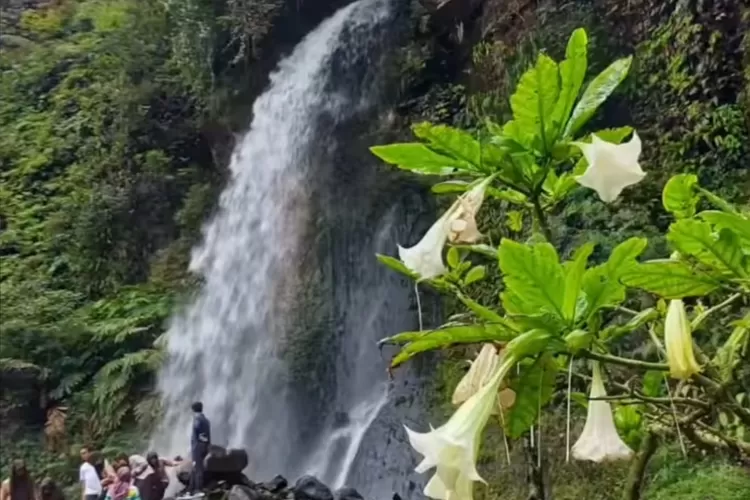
column 200, row 440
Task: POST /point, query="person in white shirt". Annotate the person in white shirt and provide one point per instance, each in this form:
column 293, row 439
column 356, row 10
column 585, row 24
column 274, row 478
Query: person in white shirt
column 91, row 486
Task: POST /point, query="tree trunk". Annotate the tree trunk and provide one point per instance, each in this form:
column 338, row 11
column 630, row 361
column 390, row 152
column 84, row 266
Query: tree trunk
column 638, row 467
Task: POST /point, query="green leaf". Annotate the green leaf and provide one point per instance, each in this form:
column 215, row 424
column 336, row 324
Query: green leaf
column 531, row 343
column 486, row 250
column 475, row 274
column 572, row 74
column 614, row 332
column 596, row 93
column 450, row 141
column 453, row 258
column 601, row 283
column 514, row 220
column 724, row 220
column 419, row 342
column 652, row 383
column 479, row 310
column 695, row 238
column 396, row 265
column 418, row 158
column 533, row 389
column 669, row 279
column 533, row 277
column 577, row 340
column 574, row 271
column 679, row 197
column 534, row 101
column 450, row 187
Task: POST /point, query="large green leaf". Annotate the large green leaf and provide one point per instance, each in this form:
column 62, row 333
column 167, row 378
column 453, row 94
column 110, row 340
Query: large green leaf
column 572, row 74
column 534, row 388
column 679, row 196
column 670, row 279
column 574, row 271
column 418, row 158
column 696, row 238
column 534, row 100
column 419, row 342
column 397, row 266
column 450, row 141
column 481, row 311
column 533, row 276
column 734, row 222
column 601, row 284
column 596, row 93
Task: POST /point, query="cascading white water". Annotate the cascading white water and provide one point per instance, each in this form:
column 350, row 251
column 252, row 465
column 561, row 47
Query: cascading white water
column 227, row 349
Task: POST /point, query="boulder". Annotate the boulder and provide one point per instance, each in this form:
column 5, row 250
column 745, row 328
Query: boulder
column 310, row 488
column 243, row 493
column 221, row 460
column 276, row 484
column 347, row 494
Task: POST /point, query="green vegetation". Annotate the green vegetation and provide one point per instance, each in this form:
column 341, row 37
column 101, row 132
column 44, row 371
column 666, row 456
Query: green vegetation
column 111, row 155
column 552, row 312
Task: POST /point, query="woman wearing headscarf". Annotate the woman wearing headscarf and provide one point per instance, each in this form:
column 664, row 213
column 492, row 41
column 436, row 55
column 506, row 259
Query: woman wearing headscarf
column 122, row 488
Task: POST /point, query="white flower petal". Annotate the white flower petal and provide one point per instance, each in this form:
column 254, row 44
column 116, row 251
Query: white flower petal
column 679, row 342
column 453, row 447
column 612, row 167
column 599, row 440
column 479, row 374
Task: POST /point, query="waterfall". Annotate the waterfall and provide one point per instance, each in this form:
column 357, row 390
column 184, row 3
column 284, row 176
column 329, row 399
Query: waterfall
column 280, row 342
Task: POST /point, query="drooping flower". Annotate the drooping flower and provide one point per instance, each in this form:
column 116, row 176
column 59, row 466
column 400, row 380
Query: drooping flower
column 426, row 257
column 452, row 448
column 679, row 342
column 612, row 167
column 480, row 372
column 599, row 441
column 464, row 229
column 457, row 224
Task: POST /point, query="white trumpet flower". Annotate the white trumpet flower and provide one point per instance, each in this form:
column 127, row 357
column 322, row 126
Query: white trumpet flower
column 464, row 229
column 457, row 224
column 612, row 167
column 599, row 441
column 426, row 257
column 480, row 372
column 453, row 447
column 679, row 342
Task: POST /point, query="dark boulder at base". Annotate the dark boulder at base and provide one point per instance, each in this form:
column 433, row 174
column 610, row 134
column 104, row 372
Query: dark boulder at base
column 310, row 488
column 244, row 493
column 276, row 484
column 347, row 494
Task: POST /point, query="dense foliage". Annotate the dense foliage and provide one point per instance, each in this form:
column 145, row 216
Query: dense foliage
column 552, row 312
column 106, row 176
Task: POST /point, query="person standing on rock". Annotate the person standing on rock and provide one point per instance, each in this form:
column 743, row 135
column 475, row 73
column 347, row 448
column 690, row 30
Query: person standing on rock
column 200, row 440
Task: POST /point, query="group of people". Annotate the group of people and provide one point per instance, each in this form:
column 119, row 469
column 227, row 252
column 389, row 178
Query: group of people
column 126, row 478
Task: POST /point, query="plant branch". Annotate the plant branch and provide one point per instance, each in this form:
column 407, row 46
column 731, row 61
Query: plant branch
column 640, row 398
column 540, row 217
column 633, row 363
column 638, row 466
column 701, row 317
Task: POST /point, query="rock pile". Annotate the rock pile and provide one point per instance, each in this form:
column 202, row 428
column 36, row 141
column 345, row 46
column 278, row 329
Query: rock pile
column 223, row 478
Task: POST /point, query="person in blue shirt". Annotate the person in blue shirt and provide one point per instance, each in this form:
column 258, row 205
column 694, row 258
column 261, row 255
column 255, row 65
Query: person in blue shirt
column 200, row 440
